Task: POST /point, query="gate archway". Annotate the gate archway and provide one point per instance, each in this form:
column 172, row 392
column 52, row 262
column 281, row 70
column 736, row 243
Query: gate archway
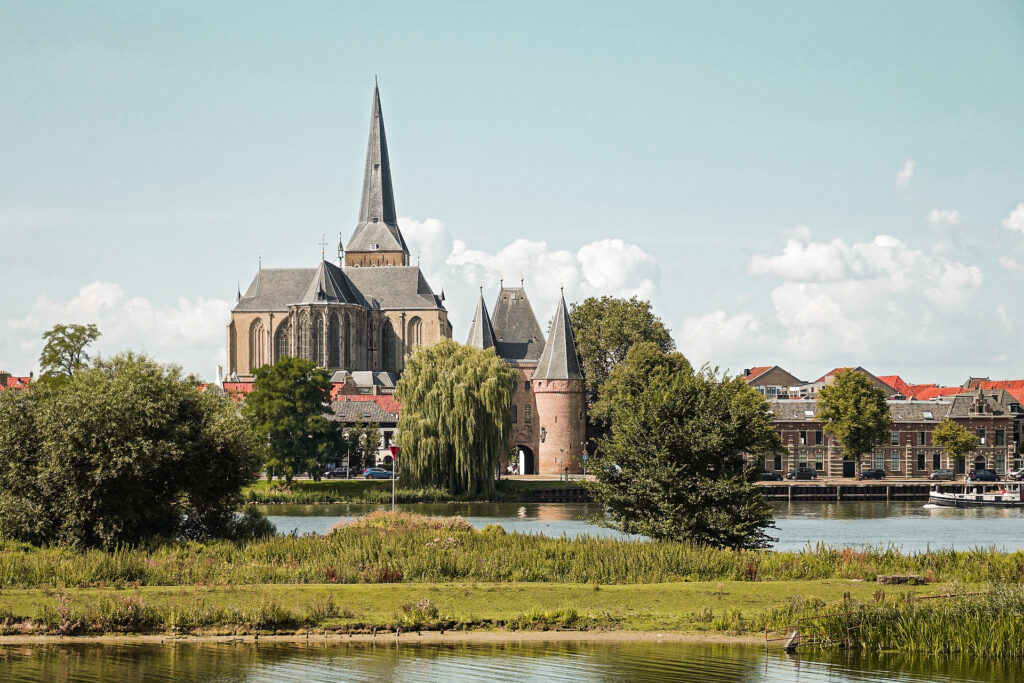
column 527, row 463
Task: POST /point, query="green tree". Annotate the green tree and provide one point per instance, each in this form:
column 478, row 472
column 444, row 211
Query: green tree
column 854, row 411
column 455, row 417
column 370, row 443
column 956, row 439
column 354, row 445
column 288, row 406
column 64, row 352
column 630, row 376
column 673, row 465
column 607, row 327
column 123, row 451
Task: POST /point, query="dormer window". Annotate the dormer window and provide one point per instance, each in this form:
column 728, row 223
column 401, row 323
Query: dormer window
column 374, row 246
column 376, row 167
column 375, row 219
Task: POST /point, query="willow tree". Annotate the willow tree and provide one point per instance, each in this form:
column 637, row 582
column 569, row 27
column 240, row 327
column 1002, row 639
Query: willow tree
column 456, row 403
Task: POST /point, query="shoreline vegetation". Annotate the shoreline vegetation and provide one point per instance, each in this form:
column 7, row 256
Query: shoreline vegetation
column 373, row 491
column 443, row 576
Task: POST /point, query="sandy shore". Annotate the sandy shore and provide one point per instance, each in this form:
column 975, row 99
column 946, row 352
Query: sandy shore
column 411, row 637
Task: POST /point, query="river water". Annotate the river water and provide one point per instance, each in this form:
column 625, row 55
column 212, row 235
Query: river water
column 605, row 661
column 910, row 526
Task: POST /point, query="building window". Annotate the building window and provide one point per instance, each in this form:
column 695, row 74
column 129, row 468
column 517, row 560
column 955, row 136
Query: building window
column 894, row 438
column 920, row 460
column 304, row 336
column 1000, row 437
column 879, row 461
column 515, row 413
column 778, row 461
column 937, row 460
column 333, row 340
column 257, row 345
column 803, row 438
column 415, row 339
column 526, row 385
column 894, row 461
column 317, row 332
column 819, row 438
column 283, row 341
column 819, row 461
column 802, row 458
column 980, row 433
column 526, row 413
column 920, row 438
column 1000, row 462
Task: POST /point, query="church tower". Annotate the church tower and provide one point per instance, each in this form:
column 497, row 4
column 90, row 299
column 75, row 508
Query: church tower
column 377, row 241
column 558, row 389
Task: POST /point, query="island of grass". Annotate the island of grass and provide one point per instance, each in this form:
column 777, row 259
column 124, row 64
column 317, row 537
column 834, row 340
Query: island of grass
column 402, row 573
column 377, row 491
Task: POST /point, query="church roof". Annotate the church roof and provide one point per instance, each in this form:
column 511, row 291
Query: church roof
column 481, row 332
column 519, row 337
column 395, row 286
column 559, row 359
column 273, row 289
column 329, row 285
column 377, row 229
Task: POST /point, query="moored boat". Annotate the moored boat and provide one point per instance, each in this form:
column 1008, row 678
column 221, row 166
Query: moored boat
column 975, row 495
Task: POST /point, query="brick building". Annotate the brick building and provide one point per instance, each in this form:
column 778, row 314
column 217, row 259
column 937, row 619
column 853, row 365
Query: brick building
column 993, row 415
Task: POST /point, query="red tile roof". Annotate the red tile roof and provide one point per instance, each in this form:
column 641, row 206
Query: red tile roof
column 926, row 392
column 385, row 401
column 829, row 374
column 13, row 382
column 757, row 372
column 897, row 383
column 1014, row 387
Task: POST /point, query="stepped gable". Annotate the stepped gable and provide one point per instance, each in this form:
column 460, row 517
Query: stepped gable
column 518, row 336
column 559, row 360
column 481, row 331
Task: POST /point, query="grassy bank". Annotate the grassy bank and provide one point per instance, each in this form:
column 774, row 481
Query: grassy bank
column 412, row 549
column 711, row 607
column 379, row 491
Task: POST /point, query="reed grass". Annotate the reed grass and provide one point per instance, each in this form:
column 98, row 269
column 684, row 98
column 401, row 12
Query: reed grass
column 379, row 491
column 377, row 552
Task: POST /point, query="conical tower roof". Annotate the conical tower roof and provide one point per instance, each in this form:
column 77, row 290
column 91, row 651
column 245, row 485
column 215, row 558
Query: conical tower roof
column 378, row 222
column 329, row 285
column 481, row 332
column 559, row 359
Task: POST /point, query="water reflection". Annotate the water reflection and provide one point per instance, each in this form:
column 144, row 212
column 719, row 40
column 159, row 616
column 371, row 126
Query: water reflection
column 605, row 661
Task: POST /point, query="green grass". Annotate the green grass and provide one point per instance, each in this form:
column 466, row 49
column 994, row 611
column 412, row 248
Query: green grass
column 699, row 606
column 379, row 491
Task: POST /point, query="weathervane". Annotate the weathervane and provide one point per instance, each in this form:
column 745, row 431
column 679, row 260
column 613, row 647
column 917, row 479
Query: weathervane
column 323, row 245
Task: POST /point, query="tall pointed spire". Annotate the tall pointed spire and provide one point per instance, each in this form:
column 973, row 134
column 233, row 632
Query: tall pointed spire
column 481, row 332
column 559, row 359
column 377, row 229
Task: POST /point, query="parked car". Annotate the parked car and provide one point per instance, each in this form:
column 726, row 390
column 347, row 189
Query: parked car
column 872, row 474
column 770, row 476
column 939, row 475
column 983, row 475
column 802, row 473
column 378, row 473
column 1017, row 475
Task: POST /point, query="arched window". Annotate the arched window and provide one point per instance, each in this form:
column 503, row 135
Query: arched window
column 333, row 341
column 385, row 345
column 414, row 338
column 283, row 341
column 257, row 345
column 304, row 335
column 348, row 342
column 317, row 333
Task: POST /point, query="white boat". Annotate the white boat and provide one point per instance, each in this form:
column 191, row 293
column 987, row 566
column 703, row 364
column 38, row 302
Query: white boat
column 976, row 495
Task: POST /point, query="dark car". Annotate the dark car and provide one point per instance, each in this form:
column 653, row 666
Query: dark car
column 872, row 474
column 938, row 475
column 983, row 475
column 378, row 473
column 770, row 476
column 341, row 473
column 802, row 473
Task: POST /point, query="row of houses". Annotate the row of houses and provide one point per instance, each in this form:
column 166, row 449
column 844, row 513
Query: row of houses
column 990, row 409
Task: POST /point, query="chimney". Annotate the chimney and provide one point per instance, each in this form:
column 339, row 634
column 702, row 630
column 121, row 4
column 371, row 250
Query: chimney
column 220, row 376
column 746, row 372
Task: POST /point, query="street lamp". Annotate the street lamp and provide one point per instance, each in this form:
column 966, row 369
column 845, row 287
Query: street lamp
column 394, row 472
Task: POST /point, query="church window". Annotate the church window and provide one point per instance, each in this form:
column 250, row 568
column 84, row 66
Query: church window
column 348, row 342
column 282, row 341
column 317, row 334
column 333, row 341
column 304, row 350
column 415, row 337
column 257, row 344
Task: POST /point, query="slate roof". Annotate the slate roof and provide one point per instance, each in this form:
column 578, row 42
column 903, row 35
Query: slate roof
column 481, row 331
column 379, row 409
column 377, row 229
column 330, row 285
column 401, row 287
column 519, row 337
column 274, row 288
column 559, row 359
column 795, row 410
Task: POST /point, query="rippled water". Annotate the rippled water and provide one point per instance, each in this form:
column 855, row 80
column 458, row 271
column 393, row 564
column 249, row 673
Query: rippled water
column 280, row 663
column 910, row 526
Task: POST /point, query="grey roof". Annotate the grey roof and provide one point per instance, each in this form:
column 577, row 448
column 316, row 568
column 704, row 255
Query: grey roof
column 273, row 289
column 559, row 359
column 361, row 411
column 996, row 402
column 330, row 285
column 393, row 287
column 378, row 222
column 481, row 332
column 789, row 410
column 519, row 337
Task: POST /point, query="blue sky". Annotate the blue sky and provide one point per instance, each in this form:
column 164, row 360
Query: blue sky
column 738, row 163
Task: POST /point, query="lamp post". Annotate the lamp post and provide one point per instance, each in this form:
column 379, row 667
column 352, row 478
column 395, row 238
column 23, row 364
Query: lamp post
column 394, row 473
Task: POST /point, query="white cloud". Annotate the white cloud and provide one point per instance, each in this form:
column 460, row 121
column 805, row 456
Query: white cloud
column 189, row 333
column 939, row 218
column 905, row 174
column 1011, row 265
column 713, row 336
column 1015, row 221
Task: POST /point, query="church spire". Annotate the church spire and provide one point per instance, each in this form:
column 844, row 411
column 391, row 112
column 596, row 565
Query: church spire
column 481, row 332
column 559, row 359
column 377, row 229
